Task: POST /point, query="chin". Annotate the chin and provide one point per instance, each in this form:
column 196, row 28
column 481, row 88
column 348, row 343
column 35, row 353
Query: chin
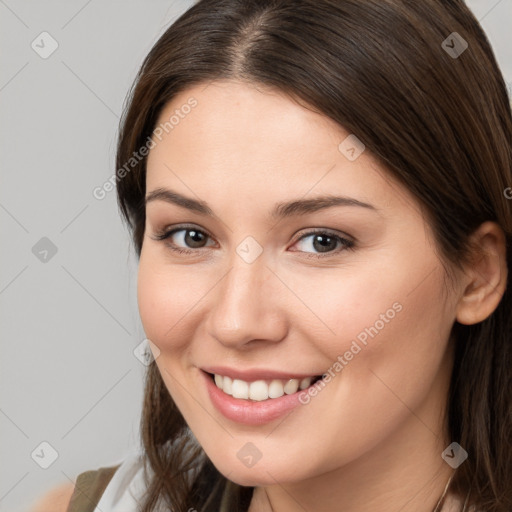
column 248, row 478
column 261, row 474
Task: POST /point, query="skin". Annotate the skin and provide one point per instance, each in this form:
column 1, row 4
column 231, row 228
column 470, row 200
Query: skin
column 55, row 500
column 372, row 438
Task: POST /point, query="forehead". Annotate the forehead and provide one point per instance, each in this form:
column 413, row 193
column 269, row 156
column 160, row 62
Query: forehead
column 245, row 144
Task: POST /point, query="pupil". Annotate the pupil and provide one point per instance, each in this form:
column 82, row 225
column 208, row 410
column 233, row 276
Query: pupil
column 324, row 241
column 194, row 238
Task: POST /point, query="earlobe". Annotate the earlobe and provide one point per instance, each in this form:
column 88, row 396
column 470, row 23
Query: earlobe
column 486, row 275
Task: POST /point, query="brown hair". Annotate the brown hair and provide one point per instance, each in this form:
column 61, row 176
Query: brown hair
column 441, row 125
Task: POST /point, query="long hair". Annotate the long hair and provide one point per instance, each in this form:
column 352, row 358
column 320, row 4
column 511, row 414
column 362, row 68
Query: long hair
column 436, row 115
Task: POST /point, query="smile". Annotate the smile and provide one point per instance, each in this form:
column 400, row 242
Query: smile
column 261, row 390
column 254, row 396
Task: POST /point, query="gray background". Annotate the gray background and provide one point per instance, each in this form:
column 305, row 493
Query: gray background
column 69, row 320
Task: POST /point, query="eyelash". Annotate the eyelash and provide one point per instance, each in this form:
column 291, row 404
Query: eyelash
column 164, row 235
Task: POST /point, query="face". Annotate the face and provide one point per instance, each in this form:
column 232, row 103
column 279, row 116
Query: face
column 261, row 280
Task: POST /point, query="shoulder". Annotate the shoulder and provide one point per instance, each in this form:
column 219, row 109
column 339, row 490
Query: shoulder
column 55, row 500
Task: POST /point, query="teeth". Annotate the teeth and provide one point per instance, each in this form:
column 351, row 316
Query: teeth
column 260, row 390
column 276, row 389
column 291, row 386
column 240, row 389
column 227, row 385
column 305, row 383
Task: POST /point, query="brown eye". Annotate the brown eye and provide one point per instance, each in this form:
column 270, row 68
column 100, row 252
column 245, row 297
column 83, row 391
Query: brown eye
column 194, row 238
column 184, row 239
column 323, row 243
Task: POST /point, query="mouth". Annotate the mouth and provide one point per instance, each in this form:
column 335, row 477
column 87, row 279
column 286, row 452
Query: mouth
column 255, row 396
column 261, row 390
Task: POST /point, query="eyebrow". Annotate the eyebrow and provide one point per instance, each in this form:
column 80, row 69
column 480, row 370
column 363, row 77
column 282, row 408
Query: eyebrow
column 280, row 210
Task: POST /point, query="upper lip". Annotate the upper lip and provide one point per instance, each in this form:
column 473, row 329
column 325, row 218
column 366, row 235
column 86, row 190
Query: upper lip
column 253, row 374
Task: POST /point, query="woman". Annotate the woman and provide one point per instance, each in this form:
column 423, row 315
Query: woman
column 319, row 195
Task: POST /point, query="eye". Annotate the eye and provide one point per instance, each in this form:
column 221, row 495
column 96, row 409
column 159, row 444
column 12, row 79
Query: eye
column 184, row 239
column 188, row 239
column 324, row 242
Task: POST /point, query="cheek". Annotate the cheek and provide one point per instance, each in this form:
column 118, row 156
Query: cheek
column 161, row 297
column 169, row 297
column 392, row 338
column 394, row 324
column 345, row 305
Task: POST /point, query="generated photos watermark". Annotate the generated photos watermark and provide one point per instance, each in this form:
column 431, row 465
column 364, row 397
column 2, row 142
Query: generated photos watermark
column 101, row 192
column 356, row 346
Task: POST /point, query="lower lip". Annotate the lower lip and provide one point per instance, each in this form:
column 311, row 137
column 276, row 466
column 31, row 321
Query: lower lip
column 247, row 412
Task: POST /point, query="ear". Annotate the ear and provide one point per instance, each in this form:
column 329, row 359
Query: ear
column 485, row 278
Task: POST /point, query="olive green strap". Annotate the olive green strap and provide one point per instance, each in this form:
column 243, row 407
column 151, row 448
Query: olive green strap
column 226, row 495
column 89, row 488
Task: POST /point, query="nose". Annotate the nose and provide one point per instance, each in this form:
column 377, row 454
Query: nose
column 246, row 307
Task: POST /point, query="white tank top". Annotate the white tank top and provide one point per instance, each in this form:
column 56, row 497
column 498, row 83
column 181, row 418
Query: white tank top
column 126, row 487
column 125, row 490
